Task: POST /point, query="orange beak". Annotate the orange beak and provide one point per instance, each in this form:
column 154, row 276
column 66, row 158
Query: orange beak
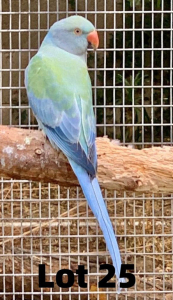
column 93, row 39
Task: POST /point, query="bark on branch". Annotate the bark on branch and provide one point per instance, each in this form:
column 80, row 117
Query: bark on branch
column 27, row 154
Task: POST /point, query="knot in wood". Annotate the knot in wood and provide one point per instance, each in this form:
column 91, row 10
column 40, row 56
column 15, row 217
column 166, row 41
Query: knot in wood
column 38, row 151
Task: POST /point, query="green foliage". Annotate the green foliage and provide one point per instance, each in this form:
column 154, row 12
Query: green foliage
column 133, row 96
column 137, row 2
column 134, row 90
column 72, row 4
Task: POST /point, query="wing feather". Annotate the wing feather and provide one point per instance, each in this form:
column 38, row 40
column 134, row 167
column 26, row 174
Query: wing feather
column 66, row 118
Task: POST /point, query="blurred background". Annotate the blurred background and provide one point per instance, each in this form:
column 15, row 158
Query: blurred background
column 132, row 82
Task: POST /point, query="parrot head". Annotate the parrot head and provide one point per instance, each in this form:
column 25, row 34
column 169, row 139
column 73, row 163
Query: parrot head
column 73, row 34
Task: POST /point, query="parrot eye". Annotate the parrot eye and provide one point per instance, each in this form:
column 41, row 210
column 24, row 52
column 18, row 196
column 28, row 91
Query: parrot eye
column 78, row 31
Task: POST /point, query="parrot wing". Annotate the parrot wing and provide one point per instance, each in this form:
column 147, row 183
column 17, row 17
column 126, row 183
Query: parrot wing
column 66, row 118
column 62, row 104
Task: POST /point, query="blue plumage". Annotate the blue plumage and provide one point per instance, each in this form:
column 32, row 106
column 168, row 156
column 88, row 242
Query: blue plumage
column 92, row 192
column 60, row 95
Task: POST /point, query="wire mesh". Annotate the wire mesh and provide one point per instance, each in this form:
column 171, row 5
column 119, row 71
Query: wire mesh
column 132, row 94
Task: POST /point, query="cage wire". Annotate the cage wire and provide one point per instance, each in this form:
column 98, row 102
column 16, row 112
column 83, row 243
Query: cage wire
column 131, row 75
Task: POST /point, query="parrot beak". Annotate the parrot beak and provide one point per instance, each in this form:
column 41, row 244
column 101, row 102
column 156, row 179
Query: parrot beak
column 93, row 39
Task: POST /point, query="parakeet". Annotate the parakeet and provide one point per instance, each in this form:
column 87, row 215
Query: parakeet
column 60, row 95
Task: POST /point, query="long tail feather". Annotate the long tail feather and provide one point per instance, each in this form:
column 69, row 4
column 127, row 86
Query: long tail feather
column 92, row 192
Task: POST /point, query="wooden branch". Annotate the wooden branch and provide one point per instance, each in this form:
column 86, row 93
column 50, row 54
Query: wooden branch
column 27, row 154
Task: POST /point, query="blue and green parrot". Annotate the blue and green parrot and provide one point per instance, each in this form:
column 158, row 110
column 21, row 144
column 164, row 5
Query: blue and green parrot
column 60, row 95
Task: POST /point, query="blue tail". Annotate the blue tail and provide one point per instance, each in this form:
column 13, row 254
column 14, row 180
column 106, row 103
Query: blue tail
column 92, row 192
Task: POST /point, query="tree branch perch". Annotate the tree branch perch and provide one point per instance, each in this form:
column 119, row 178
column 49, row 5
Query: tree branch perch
column 27, row 154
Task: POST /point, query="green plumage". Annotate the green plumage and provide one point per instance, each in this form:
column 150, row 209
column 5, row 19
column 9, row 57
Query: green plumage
column 58, row 68
column 62, row 78
column 60, row 95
